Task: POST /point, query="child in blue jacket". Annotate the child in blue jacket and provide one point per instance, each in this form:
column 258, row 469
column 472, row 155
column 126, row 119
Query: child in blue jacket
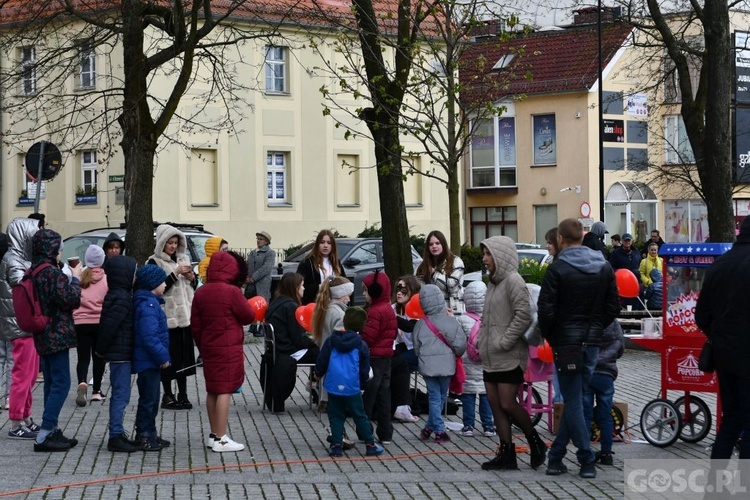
column 345, row 361
column 151, row 353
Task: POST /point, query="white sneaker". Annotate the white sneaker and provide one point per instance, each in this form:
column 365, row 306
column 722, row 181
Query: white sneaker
column 226, row 444
column 210, row 440
column 403, row 414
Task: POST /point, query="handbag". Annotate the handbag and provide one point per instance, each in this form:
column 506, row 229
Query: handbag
column 569, row 359
column 533, row 335
column 459, row 376
column 706, row 359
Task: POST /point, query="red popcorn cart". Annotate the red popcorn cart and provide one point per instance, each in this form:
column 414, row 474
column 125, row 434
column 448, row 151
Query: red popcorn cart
column 679, row 340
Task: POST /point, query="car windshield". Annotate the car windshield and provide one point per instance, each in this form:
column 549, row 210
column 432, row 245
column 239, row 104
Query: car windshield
column 342, row 247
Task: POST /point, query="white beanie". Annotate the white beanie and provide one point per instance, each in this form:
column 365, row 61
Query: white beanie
column 342, row 290
column 94, row 256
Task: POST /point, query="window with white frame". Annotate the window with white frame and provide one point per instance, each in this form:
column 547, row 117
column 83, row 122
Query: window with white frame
column 276, row 69
column 88, row 172
column 677, row 149
column 493, row 153
column 87, row 75
column 277, row 177
column 28, row 71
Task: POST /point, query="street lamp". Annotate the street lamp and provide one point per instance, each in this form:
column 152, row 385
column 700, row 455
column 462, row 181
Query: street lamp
column 601, row 115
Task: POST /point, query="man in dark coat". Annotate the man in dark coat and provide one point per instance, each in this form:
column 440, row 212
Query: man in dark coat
column 655, row 238
column 724, row 317
column 594, row 239
column 577, row 301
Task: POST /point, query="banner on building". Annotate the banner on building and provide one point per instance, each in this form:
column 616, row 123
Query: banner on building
column 742, row 67
column 613, row 131
column 637, row 105
column 545, row 140
column 507, row 141
column 742, row 144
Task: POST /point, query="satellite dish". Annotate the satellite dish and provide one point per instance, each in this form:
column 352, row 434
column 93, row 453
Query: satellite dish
column 51, row 161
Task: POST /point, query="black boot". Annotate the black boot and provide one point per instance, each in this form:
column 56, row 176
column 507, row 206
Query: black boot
column 504, row 460
column 538, row 449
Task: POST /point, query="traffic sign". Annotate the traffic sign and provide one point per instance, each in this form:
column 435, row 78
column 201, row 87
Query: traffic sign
column 50, row 157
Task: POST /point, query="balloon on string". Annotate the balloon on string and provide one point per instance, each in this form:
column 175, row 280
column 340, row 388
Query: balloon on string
column 303, row 315
column 627, row 284
column 544, row 353
column 259, row 305
column 413, row 308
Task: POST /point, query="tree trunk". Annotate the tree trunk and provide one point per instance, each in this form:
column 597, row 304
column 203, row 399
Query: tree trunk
column 715, row 171
column 138, row 138
column 396, row 245
column 454, row 209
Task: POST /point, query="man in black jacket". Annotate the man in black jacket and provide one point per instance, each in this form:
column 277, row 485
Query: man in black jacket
column 577, row 301
column 115, row 345
column 724, row 317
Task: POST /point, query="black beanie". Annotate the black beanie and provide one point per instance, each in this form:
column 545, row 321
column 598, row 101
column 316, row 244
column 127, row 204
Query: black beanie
column 354, row 319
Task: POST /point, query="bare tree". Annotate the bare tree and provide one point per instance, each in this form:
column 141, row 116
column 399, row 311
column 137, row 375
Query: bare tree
column 695, row 41
column 141, row 41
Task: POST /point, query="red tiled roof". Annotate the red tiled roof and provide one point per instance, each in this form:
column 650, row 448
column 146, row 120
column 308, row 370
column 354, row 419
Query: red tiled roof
column 545, row 61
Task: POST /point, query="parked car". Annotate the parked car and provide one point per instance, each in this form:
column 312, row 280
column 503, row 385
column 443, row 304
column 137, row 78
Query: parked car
column 359, row 257
column 194, row 233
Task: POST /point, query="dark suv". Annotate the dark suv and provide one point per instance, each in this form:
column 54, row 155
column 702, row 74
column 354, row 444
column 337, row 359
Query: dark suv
column 359, row 257
column 194, row 233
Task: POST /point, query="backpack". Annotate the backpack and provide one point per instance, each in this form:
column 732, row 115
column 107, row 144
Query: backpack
column 26, row 305
column 471, row 343
column 342, row 377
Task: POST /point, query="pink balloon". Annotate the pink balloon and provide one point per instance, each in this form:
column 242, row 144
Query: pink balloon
column 627, row 284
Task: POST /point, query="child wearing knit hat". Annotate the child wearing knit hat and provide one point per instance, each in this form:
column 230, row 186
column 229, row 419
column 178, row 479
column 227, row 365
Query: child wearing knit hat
column 344, row 359
column 151, row 353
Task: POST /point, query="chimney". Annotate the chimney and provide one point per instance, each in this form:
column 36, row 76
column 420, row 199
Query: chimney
column 589, row 15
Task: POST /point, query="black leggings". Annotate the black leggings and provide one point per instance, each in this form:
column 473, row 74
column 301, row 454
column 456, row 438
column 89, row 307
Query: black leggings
column 86, row 335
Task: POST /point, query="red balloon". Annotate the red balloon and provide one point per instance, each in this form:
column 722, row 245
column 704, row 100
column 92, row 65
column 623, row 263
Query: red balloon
column 413, row 308
column 544, row 353
column 304, row 315
column 627, row 284
column 259, row 305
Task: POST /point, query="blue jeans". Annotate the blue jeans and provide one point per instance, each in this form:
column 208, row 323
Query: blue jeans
column 572, row 424
column 437, row 395
column 601, row 387
column 149, row 389
column 56, row 370
column 468, row 402
column 119, row 396
column 556, row 394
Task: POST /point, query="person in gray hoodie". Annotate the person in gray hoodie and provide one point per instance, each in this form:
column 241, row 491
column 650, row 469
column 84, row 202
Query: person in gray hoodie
column 577, row 301
column 438, row 340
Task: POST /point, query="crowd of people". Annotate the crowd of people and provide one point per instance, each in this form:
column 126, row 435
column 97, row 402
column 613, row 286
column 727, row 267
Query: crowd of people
column 149, row 320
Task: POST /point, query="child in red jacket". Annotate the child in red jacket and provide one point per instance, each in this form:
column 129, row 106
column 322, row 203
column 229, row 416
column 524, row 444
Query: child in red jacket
column 379, row 333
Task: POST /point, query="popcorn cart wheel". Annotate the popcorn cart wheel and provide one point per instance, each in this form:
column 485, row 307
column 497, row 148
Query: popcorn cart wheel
column 661, row 422
column 695, row 416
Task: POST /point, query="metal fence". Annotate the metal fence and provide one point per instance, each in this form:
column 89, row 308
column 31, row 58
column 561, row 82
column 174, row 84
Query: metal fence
column 280, row 254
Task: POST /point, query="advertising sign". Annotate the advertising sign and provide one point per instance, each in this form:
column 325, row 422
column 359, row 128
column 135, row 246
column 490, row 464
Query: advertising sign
column 742, row 144
column 507, row 141
column 742, row 67
column 613, row 130
column 545, row 140
column 637, row 105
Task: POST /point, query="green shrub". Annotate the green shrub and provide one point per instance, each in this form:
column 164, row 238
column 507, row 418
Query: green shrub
column 531, row 271
column 472, row 257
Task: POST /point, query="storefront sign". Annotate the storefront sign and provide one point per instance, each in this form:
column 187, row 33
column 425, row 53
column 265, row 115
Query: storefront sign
column 742, row 144
column 637, row 105
column 742, row 67
column 507, row 141
column 545, row 140
column 613, row 130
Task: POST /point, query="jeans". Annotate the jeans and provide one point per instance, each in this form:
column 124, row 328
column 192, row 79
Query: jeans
column 468, row 402
column 119, row 380
column 437, row 394
column 556, row 394
column 601, row 387
column 338, row 406
column 735, row 421
column 572, row 424
column 149, row 382
column 56, row 370
column 23, row 378
column 377, row 397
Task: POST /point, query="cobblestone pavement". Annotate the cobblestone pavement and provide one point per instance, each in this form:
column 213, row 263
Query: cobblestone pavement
column 286, row 455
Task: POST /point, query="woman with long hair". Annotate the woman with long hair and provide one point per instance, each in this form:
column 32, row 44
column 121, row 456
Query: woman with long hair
column 404, row 361
column 440, row 267
column 86, row 317
column 504, row 353
column 330, row 306
column 170, row 253
column 322, row 263
column 550, row 237
column 289, row 337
